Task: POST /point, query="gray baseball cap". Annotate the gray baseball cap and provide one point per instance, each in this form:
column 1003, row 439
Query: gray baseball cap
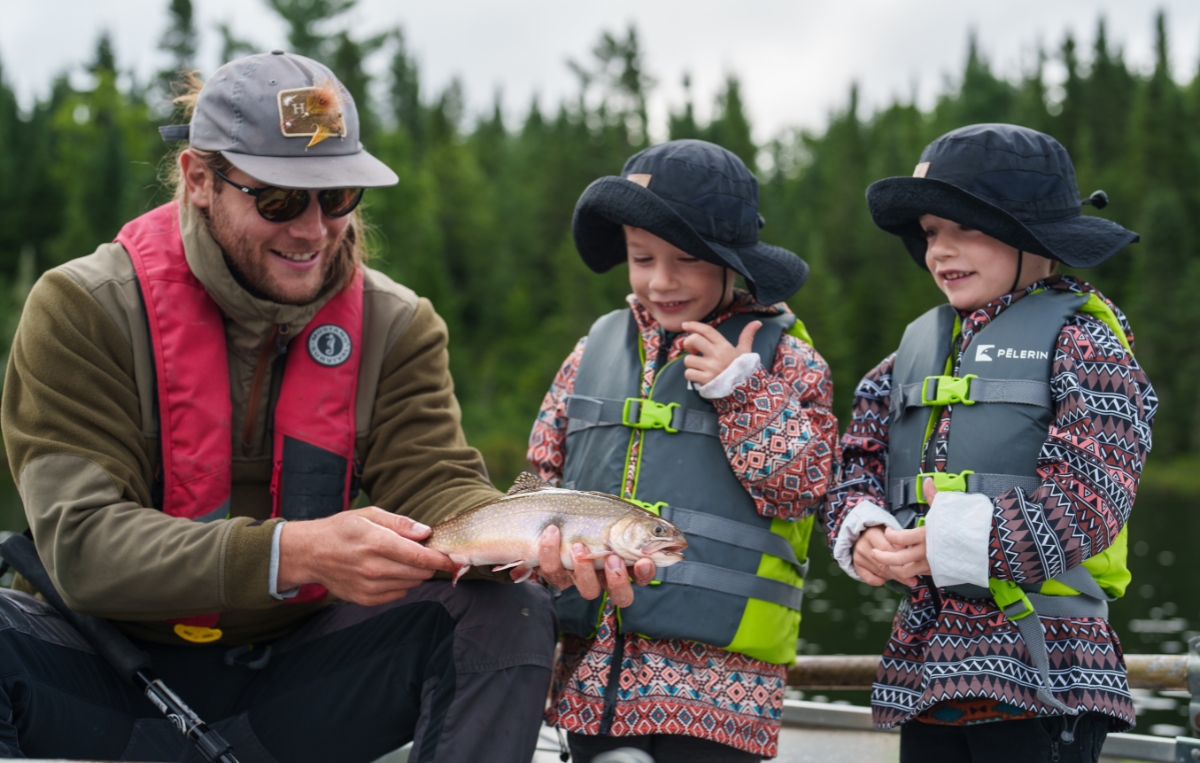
column 284, row 120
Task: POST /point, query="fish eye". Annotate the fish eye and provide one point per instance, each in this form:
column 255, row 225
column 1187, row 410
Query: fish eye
column 658, row 530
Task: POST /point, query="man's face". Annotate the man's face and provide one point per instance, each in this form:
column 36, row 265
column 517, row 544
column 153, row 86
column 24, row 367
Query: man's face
column 283, row 262
column 672, row 284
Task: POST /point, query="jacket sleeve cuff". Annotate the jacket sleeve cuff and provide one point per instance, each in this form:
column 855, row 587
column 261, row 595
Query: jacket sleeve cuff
column 273, row 585
column 865, row 514
column 737, row 372
column 958, row 532
column 246, row 568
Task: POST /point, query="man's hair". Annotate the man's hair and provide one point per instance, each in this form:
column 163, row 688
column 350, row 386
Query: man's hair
column 353, row 250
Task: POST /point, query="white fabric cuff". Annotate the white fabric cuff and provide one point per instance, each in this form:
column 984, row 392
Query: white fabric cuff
column 741, row 369
column 273, row 576
column 862, row 516
column 958, row 531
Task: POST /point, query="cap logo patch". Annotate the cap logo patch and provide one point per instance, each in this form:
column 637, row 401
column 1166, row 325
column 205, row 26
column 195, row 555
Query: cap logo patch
column 312, row 112
column 640, row 178
column 921, row 170
column 329, row 345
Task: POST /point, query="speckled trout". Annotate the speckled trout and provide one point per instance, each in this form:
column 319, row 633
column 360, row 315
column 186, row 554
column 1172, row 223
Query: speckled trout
column 505, row 532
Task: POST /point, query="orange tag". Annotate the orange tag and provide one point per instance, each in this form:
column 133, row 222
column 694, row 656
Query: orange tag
column 641, row 178
column 921, row 170
column 197, row 634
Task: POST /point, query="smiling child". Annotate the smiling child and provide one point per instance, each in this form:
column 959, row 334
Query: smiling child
column 992, row 461
column 708, row 405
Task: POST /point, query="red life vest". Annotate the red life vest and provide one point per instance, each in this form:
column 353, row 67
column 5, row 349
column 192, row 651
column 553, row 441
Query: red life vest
column 314, row 417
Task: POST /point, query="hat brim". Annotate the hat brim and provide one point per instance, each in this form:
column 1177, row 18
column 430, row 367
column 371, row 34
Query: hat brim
column 772, row 273
column 1082, row 241
column 357, row 170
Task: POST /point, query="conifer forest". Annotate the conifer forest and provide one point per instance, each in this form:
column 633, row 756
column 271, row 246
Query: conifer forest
column 480, row 222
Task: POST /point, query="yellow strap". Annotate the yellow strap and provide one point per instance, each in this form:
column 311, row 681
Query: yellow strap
column 799, row 331
column 197, row 634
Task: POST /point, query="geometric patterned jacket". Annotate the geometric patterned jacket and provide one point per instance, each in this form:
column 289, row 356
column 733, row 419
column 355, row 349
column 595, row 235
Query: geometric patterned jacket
column 954, row 660
column 780, row 437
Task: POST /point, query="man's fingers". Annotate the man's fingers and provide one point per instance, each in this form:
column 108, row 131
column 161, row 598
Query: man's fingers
column 746, row 339
column 401, row 525
column 616, row 578
column 550, row 552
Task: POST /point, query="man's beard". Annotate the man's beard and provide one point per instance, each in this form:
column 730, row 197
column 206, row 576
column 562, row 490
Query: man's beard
column 249, row 266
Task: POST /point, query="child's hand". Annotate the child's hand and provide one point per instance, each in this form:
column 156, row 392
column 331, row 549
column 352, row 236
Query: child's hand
column 909, row 560
column 868, row 568
column 711, row 353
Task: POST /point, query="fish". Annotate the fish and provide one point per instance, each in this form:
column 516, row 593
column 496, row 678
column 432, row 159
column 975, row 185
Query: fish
column 505, row 532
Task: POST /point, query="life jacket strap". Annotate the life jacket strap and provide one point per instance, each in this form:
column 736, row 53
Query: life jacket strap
column 745, row 584
column 639, row 413
column 907, row 491
column 970, row 389
column 706, row 525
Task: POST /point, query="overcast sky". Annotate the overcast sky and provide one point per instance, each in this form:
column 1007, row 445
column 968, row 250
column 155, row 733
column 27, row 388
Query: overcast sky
column 796, row 58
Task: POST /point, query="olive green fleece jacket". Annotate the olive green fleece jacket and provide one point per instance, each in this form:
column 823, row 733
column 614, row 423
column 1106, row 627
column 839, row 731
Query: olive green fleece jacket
column 80, row 426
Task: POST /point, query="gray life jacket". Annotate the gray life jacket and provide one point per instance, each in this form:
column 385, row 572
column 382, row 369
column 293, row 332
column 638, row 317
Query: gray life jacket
column 741, row 584
column 1001, row 415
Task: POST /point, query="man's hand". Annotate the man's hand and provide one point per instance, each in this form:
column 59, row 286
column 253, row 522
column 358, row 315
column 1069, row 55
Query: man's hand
column 367, row 556
column 711, row 353
column 584, row 577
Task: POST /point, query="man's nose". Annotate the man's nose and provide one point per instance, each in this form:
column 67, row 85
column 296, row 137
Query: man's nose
column 311, row 225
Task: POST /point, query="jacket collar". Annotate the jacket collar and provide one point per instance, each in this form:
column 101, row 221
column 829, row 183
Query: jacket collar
column 207, row 263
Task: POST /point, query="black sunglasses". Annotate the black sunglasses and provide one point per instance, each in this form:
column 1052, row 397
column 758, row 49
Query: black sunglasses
column 278, row 205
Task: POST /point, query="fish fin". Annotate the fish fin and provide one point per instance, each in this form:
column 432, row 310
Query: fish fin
column 528, row 573
column 462, row 570
column 597, row 555
column 527, row 483
column 510, row 565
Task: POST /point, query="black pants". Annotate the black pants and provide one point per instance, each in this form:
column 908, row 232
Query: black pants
column 664, row 748
column 1027, row 741
column 462, row 672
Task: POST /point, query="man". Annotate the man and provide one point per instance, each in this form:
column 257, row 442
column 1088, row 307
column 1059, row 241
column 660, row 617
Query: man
column 177, row 401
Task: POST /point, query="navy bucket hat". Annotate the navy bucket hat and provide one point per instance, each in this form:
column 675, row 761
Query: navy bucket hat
column 696, row 196
column 1015, row 184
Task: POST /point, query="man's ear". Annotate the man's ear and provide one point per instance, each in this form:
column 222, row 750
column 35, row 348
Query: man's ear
column 197, row 179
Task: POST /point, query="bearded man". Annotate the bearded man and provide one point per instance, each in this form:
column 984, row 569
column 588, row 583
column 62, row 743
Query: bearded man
column 191, row 413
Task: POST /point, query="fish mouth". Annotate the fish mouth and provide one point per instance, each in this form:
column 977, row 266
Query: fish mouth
column 666, row 548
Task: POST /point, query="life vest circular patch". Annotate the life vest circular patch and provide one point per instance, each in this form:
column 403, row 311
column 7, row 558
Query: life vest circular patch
column 329, row 345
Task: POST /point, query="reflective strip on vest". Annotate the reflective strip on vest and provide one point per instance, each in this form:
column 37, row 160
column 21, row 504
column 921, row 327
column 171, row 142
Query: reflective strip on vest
column 745, row 571
column 314, row 416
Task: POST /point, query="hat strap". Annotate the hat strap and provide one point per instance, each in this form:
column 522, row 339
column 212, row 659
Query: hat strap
column 1020, row 259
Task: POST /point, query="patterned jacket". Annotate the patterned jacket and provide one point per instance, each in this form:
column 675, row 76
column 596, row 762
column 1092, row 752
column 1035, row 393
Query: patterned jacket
column 780, row 437
column 956, row 661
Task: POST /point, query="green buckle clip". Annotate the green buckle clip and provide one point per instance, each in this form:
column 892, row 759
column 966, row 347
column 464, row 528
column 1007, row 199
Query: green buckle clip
column 642, row 413
column 943, row 481
column 653, row 508
column 950, row 390
column 1008, row 594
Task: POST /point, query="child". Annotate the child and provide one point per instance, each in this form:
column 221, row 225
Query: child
column 708, row 405
column 1007, row 433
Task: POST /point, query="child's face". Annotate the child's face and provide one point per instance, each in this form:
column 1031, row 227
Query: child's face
column 673, row 285
column 972, row 268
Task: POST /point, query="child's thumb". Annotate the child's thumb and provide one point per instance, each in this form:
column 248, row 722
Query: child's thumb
column 928, row 491
column 746, row 340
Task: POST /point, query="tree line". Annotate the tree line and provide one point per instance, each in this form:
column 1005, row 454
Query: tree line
column 480, row 221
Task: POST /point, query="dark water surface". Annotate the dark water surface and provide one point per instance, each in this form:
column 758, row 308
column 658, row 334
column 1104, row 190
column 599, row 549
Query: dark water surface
column 1158, row 614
